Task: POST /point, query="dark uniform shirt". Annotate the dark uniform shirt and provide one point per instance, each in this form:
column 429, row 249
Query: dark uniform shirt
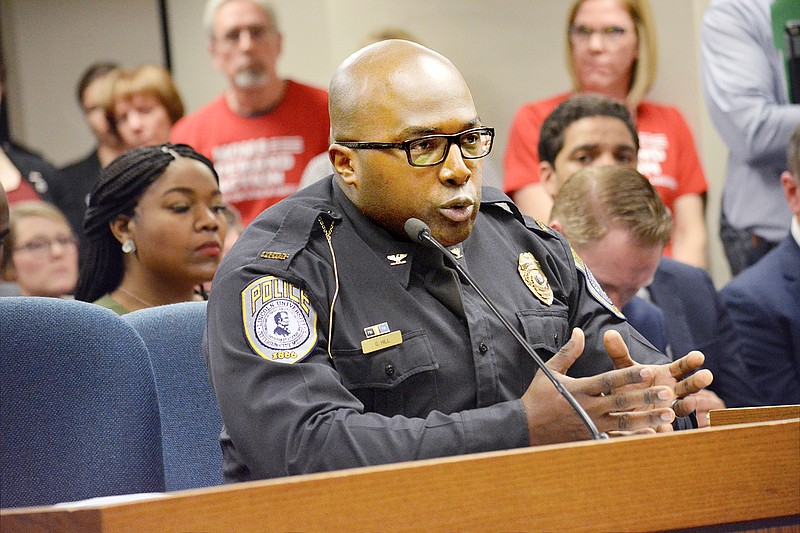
column 377, row 369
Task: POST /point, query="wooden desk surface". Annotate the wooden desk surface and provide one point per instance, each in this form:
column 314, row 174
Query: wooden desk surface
column 688, row 479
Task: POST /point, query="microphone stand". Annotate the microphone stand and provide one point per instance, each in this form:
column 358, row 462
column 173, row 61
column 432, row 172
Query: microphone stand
column 418, row 231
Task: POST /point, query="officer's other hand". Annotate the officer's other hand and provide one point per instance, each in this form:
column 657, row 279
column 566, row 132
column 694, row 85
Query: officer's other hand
column 676, row 375
column 615, row 406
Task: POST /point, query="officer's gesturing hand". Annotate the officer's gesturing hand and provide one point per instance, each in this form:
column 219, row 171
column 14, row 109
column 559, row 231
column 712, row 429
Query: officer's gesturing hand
column 620, row 401
column 676, row 375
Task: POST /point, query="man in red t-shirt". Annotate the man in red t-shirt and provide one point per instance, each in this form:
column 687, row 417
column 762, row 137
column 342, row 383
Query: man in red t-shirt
column 263, row 130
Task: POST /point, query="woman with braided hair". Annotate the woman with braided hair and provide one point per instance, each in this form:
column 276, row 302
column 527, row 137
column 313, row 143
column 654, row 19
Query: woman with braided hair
column 155, row 227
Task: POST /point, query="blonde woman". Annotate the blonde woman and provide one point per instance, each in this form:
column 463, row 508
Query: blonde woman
column 40, row 253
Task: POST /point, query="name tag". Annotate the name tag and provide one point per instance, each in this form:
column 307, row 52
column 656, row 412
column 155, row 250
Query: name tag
column 381, row 341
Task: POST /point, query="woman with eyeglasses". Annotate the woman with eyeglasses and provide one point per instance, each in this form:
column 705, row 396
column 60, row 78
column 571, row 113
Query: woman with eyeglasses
column 40, row 254
column 611, row 50
column 155, row 229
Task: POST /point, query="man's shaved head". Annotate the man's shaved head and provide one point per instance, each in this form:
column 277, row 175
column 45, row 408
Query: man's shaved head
column 395, row 91
column 368, row 83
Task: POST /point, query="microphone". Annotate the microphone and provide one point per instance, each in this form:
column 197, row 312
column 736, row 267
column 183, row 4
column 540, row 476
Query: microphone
column 419, row 232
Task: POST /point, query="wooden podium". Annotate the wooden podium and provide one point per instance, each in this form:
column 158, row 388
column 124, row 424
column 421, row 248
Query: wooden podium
column 734, row 478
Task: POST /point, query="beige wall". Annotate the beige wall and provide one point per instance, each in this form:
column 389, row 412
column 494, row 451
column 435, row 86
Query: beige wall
column 510, row 52
column 47, row 45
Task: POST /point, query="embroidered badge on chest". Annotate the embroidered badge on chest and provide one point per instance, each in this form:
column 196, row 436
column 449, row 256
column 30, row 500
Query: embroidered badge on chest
column 279, row 322
column 534, row 278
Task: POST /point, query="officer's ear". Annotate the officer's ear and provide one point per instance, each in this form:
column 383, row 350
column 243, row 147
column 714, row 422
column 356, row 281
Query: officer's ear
column 343, row 163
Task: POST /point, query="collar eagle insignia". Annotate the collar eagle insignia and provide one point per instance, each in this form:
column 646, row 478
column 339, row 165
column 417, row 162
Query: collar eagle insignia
column 531, row 273
column 397, row 259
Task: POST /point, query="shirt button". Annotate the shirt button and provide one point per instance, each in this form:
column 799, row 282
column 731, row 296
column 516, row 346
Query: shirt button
column 389, row 370
column 483, row 348
column 555, row 338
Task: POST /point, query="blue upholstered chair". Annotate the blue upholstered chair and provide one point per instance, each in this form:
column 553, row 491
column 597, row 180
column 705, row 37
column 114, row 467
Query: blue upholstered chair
column 78, row 407
column 190, row 419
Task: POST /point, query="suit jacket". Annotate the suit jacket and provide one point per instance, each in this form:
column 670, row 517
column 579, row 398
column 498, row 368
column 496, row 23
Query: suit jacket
column 697, row 320
column 648, row 320
column 764, row 304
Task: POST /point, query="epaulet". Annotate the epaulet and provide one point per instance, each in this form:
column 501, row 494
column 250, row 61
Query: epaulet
column 496, row 198
column 538, row 226
column 299, row 224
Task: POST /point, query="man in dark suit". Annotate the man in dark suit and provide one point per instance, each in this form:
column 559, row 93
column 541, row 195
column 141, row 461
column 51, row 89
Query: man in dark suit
column 764, row 303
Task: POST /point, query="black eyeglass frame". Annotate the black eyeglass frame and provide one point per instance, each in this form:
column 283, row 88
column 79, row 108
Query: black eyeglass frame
column 406, row 145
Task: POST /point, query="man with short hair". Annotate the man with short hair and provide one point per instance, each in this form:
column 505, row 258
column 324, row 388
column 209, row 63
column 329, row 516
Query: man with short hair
column 587, row 130
column 392, row 356
column 764, row 302
column 263, row 130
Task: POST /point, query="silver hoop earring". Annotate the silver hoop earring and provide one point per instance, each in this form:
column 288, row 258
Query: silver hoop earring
column 129, row 246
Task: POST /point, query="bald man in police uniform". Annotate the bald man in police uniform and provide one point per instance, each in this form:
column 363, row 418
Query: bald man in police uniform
column 379, row 366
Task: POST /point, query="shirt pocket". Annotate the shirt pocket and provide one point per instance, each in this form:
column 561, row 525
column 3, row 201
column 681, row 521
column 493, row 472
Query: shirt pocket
column 546, row 331
column 386, row 368
column 400, row 380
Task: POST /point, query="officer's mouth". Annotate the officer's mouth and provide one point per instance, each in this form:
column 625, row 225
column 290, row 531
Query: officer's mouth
column 458, row 209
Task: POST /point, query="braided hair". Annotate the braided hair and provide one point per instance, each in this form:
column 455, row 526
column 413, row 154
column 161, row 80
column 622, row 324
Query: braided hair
column 117, row 192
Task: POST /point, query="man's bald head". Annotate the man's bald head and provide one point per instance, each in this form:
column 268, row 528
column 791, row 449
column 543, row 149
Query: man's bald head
column 392, row 92
column 381, row 78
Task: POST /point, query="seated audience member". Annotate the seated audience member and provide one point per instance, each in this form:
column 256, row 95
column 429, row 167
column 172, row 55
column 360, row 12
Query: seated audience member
column 264, row 129
column 144, row 105
column 41, row 251
column 154, row 227
column 764, row 302
column 389, row 357
column 71, row 189
column 614, row 218
column 611, row 51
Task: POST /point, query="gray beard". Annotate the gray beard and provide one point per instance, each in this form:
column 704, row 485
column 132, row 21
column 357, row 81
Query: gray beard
column 250, row 79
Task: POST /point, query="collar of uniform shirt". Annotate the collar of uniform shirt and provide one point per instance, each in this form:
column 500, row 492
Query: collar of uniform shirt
column 397, row 255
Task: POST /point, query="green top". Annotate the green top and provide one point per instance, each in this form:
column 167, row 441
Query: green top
column 109, row 302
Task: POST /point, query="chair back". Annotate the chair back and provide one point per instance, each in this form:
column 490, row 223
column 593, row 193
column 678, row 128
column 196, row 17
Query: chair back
column 190, row 418
column 78, row 407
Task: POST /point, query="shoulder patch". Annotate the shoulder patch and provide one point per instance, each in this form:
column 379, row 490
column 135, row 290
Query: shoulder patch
column 279, row 322
column 593, row 286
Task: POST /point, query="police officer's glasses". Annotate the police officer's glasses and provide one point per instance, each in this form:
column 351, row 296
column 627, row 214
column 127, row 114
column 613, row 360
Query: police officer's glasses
column 431, row 150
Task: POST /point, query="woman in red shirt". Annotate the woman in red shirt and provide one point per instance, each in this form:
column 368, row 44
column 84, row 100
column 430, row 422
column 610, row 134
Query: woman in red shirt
column 612, row 51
